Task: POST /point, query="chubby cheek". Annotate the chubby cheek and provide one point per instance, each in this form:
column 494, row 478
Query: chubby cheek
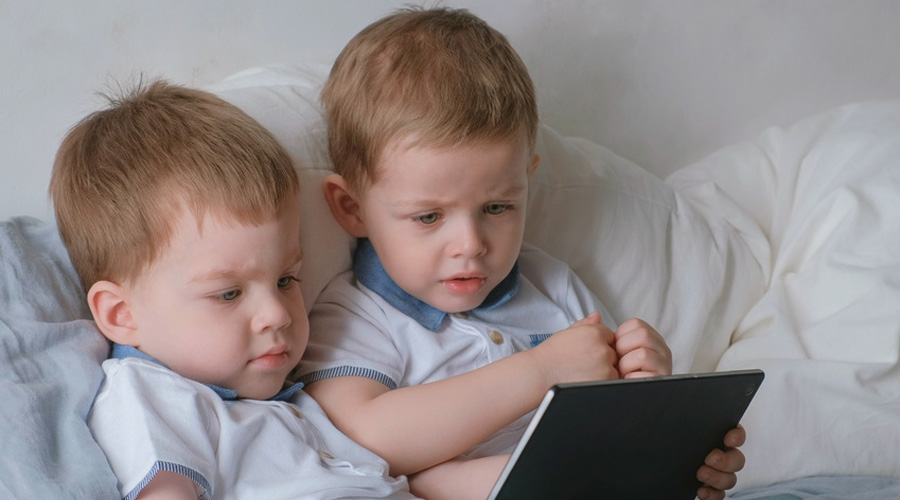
column 213, row 364
column 300, row 322
column 207, row 351
column 414, row 275
column 509, row 246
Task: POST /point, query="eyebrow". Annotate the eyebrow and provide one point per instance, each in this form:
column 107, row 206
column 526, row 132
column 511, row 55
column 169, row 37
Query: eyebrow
column 508, row 193
column 242, row 273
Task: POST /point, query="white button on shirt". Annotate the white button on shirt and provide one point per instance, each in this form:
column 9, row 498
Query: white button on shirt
column 354, row 330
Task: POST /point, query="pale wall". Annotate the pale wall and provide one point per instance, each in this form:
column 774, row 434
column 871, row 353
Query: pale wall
column 662, row 82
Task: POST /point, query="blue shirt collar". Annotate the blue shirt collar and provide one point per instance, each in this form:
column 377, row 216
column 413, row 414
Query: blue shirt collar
column 126, row 351
column 370, row 272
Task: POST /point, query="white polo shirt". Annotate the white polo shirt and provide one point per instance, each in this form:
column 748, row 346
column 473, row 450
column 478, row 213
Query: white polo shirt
column 363, row 324
column 147, row 418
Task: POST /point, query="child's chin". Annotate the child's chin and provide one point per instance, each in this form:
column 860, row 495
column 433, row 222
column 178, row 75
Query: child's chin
column 261, row 392
column 459, row 306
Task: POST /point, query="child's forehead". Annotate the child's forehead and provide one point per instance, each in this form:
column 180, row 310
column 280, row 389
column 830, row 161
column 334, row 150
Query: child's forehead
column 194, row 231
column 498, row 166
column 197, row 212
column 452, row 140
column 188, row 225
column 403, row 145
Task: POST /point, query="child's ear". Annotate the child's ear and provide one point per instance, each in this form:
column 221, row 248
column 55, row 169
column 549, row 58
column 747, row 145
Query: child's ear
column 534, row 164
column 109, row 306
column 344, row 205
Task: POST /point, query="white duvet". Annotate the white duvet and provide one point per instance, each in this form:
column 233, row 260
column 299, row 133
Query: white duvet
column 819, row 205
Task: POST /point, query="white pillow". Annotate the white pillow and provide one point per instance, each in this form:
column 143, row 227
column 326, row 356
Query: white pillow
column 627, row 234
column 642, row 248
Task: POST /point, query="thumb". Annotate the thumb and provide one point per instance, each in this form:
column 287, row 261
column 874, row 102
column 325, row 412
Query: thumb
column 591, row 319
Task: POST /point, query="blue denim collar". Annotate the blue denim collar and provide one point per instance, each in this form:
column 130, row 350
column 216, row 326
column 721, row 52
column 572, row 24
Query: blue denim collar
column 370, row 272
column 126, row 351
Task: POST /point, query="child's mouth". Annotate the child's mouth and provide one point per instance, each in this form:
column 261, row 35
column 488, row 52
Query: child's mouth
column 273, row 359
column 464, row 285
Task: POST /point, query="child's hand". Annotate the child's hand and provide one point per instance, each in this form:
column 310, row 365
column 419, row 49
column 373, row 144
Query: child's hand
column 719, row 471
column 641, row 350
column 582, row 352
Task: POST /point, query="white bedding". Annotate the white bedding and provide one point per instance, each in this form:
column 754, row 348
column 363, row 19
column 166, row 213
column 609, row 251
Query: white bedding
column 819, row 204
column 770, row 254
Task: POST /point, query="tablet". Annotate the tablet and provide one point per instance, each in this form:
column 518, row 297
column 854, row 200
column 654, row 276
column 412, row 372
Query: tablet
column 636, row 439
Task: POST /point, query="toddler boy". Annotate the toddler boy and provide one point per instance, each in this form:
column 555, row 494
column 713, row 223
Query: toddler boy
column 181, row 216
column 436, row 348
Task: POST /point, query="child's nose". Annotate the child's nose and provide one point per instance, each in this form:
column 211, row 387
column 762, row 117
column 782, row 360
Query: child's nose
column 469, row 240
column 272, row 315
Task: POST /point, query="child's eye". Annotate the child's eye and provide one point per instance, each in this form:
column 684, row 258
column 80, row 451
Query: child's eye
column 496, row 208
column 229, row 296
column 286, row 281
column 429, row 219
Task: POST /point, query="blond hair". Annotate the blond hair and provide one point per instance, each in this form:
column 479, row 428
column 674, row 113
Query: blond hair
column 439, row 77
column 124, row 174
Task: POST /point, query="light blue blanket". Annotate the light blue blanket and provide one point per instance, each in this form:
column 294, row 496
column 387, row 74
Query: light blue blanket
column 826, row 488
column 49, row 371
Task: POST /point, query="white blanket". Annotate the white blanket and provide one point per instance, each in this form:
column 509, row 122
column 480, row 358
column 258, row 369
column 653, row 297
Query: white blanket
column 819, row 205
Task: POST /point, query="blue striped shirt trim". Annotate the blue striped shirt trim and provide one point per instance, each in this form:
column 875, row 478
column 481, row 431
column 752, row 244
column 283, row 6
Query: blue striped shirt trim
column 349, row 371
column 536, row 339
column 160, row 466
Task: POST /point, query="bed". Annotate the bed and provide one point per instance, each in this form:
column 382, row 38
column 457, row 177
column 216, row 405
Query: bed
column 779, row 252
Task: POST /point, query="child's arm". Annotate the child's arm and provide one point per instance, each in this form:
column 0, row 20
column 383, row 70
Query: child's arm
column 473, row 479
column 168, row 486
column 458, row 479
column 416, row 427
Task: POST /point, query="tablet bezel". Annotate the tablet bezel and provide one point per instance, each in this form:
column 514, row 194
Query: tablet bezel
column 629, row 438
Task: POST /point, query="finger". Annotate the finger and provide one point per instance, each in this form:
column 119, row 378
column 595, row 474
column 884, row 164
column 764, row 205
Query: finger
column 707, row 493
column 593, row 323
column 591, row 319
column 736, row 437
column 629, row 339
column 643, row 360
column 631, row 325
column 729, row 461
column 716, row 479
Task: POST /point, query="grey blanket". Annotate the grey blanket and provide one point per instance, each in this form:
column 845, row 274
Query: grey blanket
column 50, row 355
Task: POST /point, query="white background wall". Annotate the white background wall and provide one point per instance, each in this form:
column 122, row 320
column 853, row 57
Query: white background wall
column 661, row 82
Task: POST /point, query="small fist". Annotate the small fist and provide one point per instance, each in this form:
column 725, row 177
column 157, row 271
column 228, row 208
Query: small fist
column 641, row 350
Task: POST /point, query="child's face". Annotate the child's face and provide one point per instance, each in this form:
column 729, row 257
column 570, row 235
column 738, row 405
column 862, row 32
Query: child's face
column 223, row 306
column 448, row 222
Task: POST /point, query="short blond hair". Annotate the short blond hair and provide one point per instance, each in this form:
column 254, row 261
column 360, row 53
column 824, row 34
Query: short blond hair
column 439, row 77
column 123, row 174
